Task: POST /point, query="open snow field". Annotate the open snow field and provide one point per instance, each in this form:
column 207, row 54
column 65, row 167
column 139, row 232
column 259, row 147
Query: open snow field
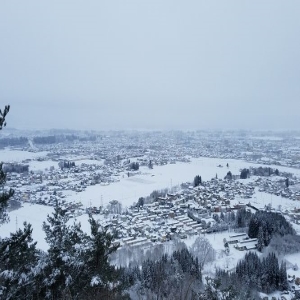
column 33, row 214
column 7, row 155
column 260, row 199
column 36, row 165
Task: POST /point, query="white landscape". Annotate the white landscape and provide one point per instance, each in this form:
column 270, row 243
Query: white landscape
column 169, row 130
column 128, row 187
column 126, row 191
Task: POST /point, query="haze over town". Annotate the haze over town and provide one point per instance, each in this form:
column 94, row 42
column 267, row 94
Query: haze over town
column 151, row 65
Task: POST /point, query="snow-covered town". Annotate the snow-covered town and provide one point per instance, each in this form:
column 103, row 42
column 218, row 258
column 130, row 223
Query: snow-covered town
column 148, row 196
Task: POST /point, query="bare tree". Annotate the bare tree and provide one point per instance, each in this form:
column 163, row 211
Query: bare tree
column 203, row 250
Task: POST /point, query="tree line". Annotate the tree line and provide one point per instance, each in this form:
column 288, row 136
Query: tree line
column 11, row 141
column 251, row 276
column 264, row 225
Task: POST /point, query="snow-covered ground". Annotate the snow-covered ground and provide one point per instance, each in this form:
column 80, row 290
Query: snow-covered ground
column 8, row 155
column 36, row 165
column 33, row 214
column 262, row 199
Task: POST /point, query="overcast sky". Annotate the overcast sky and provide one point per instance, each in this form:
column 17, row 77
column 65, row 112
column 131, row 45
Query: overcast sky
column 159, row 64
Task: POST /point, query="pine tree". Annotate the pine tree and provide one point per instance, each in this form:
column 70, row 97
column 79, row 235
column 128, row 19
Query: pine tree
column 3, row 115
column 287, row 184
column 197, row 180
column 232, row 216
column 102, row 279
column 283, row 283
column 260, row 239
column 210, row 292
column 4, row 195
column 253, row 227
column 64, row 262
column 18, row 258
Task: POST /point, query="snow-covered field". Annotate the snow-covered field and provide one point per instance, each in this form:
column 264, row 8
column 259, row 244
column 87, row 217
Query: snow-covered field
column 261, row 199
column 36, row 165
column 33, row 214
column 8, row 155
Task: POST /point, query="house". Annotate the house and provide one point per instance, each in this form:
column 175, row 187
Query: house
column 246, row 245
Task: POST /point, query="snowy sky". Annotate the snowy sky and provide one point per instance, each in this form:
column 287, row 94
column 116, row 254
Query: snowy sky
column 159, row 64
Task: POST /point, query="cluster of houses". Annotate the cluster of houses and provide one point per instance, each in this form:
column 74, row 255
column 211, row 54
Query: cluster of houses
column 188, row 212
column 191, row 211
column 277, row 148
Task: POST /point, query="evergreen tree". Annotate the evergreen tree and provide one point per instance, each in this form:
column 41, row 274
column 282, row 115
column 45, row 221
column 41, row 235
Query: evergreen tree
column 170, row 277
column 260, row 239
column 141, row 202
column 210, row 292
column 287, row 183
column 3, row 115
column 64, row 261
column 263, row 275
column 271, row 224
column 245, row 173
column 18, row 258
column 282, row 277
column 197, row 180
column 242, row 218
column 232, row 217
column 253, row 227
column 4, row 195
column 229, row 175
column 102, row 279
column 134, row 166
